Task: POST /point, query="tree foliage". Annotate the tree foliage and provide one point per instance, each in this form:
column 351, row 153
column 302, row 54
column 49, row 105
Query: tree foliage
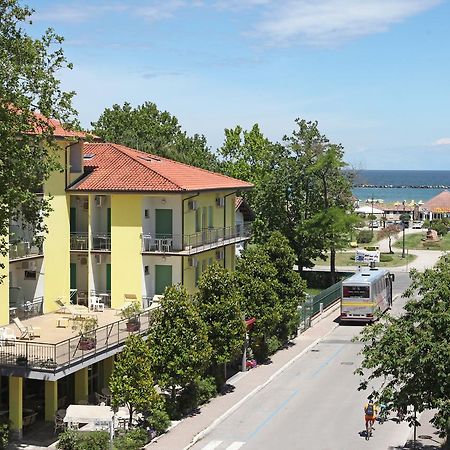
column 28, row 85
column 389, row 232
column 148, row 129
column 131, row 381
column 178, row 340
column 411, row 354
column 219, row 304
column 300, row 189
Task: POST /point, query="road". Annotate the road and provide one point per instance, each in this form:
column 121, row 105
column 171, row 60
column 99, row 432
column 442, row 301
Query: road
column 313, row 404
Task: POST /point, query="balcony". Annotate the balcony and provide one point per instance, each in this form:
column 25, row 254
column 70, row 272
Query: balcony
column 58, row 351
column 79, row 241
column 21, row 250
column 27, row 310
column 101, row 242
column 195, row 243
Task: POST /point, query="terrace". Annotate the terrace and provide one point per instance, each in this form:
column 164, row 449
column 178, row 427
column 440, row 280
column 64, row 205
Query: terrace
column 190, row 244
column 59, row 351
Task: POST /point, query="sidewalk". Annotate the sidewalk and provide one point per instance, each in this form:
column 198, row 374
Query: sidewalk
column 192, row 429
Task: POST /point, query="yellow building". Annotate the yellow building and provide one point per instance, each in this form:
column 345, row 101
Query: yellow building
column 125, row 225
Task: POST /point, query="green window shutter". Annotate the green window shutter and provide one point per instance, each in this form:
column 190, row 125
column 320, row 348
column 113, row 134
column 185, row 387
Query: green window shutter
column 163, row 278
column 198, row 214
column 73, row 220
column 163, row 223
column 108, row 220
column 210, row 217
column 73, row 276
column 108, row 277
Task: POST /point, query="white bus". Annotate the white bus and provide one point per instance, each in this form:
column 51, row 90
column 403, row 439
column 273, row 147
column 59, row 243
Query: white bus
column 365, row 293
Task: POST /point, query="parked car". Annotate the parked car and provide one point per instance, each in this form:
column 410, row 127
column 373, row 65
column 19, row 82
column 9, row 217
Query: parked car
column 374, row 224
column 417, row 224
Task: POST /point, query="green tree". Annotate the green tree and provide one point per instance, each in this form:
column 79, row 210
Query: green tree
column 322, row 195
column 410, row 354
column 290, row 287
column 131, row 381
column 256, row 278
column 219, row 304
column 389, row 232
column 147, row 129
column 178, row 341
column 28, row 85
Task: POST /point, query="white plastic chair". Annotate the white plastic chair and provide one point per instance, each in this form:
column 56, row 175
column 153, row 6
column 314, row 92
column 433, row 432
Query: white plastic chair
column 6, row 334
column 95, row 304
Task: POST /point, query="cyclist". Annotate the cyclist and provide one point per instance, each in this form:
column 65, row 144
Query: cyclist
column 370, row 415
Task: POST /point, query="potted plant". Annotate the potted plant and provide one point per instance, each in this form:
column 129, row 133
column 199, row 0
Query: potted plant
column 131, row 313
column 86, row 327
column 21, row 360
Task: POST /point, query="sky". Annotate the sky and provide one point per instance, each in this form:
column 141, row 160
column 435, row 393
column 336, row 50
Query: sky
column 375, row 74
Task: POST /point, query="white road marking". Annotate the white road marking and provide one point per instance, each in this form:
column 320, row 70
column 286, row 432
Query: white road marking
column 212, row 445
column 235, row 446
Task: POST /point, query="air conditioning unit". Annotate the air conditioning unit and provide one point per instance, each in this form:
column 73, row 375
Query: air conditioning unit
column 192, row 262
column 99, row 201
column 83, row 261
column 98, row 259
column 219, row 254
column 220, row 202
column 192, row 205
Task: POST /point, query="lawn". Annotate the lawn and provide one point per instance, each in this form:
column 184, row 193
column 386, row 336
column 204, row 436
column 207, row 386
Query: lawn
column 414, row 242
column 348, row 259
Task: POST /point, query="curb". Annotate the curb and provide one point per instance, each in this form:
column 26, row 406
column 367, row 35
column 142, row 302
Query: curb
column 228, row 413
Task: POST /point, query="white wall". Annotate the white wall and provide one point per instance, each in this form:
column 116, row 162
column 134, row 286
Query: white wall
column 30, row 289
column 99, row 215
column 97, row 278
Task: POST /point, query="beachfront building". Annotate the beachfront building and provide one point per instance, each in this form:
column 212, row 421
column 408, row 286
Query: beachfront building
column 438, row 207
column 124, row 226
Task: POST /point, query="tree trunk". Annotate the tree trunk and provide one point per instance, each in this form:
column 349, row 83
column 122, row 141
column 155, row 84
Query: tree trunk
column 130, row 420
column 173, row 394
column 333, row 265
column 390, row 245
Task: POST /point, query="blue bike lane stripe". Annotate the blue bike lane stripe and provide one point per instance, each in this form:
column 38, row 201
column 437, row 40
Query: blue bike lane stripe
column 280, row 407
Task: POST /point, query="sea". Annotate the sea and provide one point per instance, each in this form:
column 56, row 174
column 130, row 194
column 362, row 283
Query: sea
column 400, row 185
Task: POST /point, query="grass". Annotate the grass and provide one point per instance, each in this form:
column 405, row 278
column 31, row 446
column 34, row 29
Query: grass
column 348, row 259
column 414, row 242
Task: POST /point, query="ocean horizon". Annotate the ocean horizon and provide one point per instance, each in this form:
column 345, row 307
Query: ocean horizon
column 400, row 185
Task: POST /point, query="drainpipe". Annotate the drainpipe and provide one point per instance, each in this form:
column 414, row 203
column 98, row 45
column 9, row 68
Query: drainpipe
column 182, row 232
column 225, row 222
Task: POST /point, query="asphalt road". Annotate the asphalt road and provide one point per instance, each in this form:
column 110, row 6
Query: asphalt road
column 313, row 404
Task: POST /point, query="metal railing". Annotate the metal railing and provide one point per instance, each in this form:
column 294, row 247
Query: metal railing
column 23, row 249
column 101, row 241
column 47, row 357
column 199, row 241
column 28, row 309
column 79, row 241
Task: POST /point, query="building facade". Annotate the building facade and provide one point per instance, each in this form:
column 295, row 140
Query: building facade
column 124, row 225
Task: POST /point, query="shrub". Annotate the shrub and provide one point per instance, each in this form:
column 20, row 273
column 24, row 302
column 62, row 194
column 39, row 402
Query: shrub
column 81, row 440
column 364, row 237
column 440, row 227
column 158, row 420
column 131, row 440
column 273, row 344
column 4, row 434
column 386, row 258
column 197, row 393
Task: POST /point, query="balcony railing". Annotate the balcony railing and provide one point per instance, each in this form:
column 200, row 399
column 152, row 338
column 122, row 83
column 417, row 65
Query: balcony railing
column 79, row 241
column 24, row 249
column 52, row 358
column 27, row 310
column 101, row 241
column 193, row 243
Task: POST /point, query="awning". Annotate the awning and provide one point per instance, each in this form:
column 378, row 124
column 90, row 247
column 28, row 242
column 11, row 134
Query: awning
column 96, row 415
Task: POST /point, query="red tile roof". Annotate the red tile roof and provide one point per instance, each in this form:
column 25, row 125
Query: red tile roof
column 114, row 167
column 439, row 203
column 58, row 129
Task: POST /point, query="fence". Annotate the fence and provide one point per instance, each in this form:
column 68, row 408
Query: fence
column 314, row 305
column 52, row 357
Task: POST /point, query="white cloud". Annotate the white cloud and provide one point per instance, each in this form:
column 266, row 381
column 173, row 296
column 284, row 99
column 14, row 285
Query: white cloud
column 331, row 22
column 160, row 9
column 442, row 141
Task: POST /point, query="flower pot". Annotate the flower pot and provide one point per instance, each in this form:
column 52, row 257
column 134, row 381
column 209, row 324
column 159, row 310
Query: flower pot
column 87, row 344
column 133, row 326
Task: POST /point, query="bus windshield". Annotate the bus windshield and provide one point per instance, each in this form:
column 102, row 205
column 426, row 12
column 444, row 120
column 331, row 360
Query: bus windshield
column 356, row 291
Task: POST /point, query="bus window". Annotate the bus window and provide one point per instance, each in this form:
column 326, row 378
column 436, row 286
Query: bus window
column 356, row 291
